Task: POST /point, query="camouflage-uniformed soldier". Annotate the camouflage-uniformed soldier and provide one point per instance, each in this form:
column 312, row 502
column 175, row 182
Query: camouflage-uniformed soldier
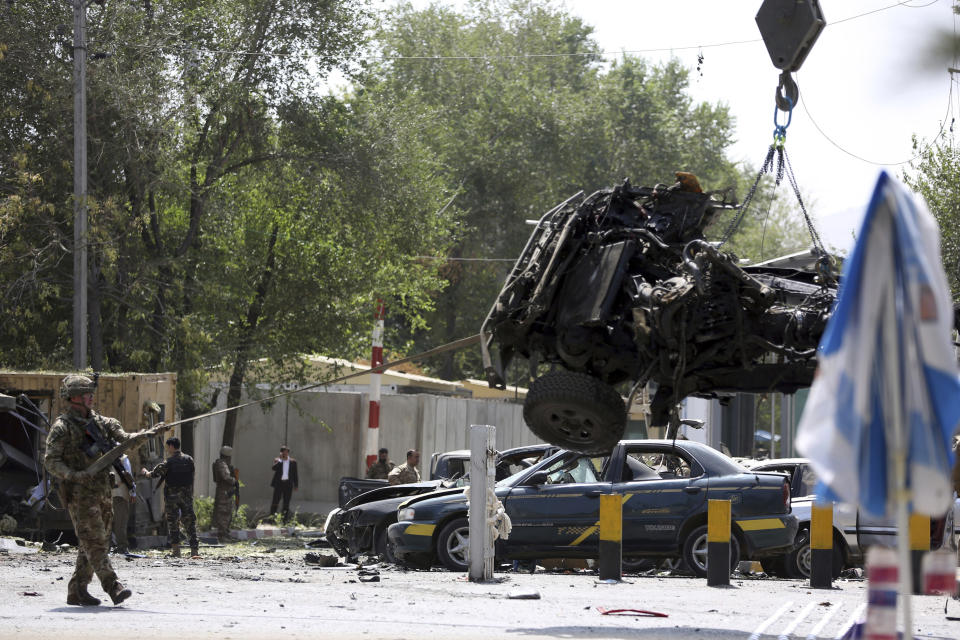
column 86, row 497
column 407, row 472
column 177, row 473
column 380, row 469
column 226, row 485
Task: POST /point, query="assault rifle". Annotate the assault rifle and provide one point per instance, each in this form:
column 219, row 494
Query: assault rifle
column 110, row 452
column 236, row 490
column 96, row 444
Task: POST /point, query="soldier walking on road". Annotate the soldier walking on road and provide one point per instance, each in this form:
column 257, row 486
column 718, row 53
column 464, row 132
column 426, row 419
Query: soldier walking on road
column 407, row 472
column 380, row 469
column 226, row 487
column 86, row 497
column 177, row 472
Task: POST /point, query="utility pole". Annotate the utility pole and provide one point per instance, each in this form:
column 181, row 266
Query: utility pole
column 79, row 185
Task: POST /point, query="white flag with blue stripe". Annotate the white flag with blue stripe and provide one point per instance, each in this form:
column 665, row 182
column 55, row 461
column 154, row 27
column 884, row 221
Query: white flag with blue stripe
column 844, row 430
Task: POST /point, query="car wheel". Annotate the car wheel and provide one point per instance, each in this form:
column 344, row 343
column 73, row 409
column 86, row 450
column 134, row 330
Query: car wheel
column 575, row 411
column 695, row 551
column 797, row 562
column 453, row 544
column 384, row 548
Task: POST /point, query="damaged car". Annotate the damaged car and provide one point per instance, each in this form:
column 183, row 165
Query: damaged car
column 359, row 525
column 554, row 509
column 621, row 287
column 853, row 529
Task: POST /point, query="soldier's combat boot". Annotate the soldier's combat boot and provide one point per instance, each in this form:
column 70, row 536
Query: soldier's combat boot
column 77, row 595
column 118, row 594
column 175, row 551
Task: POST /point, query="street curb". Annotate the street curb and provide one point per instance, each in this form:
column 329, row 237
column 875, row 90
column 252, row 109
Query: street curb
column 256, row 534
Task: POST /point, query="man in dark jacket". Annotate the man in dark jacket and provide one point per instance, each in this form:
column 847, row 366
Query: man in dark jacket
column 177, row 473
column 285, row 481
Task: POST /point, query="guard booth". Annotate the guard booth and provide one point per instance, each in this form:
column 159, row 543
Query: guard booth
column 28, row 499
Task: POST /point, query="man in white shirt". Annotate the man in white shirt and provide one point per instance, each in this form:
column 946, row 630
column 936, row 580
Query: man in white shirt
column 284, row 482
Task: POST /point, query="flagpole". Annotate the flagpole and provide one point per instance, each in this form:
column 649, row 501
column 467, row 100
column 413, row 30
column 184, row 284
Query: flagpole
column 892, row 360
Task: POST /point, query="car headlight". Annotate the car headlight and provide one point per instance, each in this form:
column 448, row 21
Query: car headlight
column 405, row 514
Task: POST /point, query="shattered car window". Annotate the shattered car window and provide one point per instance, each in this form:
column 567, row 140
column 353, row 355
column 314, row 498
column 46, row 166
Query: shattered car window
column 567, row 471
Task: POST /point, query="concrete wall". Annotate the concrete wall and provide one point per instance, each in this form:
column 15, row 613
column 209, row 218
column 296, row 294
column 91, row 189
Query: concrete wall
column 325, row 433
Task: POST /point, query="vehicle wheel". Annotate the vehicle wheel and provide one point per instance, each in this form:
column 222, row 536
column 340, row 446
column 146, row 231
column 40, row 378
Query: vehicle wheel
column 575, row 411
column 453, row 544
column 383, row 548
column 695, row 551
column 797, row 562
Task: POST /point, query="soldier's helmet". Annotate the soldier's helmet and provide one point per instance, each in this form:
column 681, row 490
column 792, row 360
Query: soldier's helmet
column 76, row 385
column 226, row 450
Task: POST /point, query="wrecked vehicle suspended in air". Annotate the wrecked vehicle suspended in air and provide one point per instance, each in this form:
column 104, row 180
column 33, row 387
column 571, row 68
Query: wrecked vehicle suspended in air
column 621, row 286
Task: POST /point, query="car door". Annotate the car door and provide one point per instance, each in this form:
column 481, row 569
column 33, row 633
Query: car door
column 559, row 515
column 662, row 488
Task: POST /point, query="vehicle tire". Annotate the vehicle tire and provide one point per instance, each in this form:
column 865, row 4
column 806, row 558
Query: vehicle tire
column 575, row 411
column 695, row 551
column 797, row 562
column 453, row 544
column 382, row 546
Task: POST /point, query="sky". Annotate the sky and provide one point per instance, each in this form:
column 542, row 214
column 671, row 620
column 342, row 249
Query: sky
column 864, row 90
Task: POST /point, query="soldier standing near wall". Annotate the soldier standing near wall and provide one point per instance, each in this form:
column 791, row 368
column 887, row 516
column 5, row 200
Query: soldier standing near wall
column 380, row 469
column 177, row 472
column 86, row 497
column 226, row 486
column 406, row 473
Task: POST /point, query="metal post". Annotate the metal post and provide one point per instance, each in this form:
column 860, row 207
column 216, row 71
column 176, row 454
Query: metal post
column 919, row 546
column 718, row 542
column 821, row 546
column 376, row 359
column 610, row 565
column 482, row 478
column 79, row 185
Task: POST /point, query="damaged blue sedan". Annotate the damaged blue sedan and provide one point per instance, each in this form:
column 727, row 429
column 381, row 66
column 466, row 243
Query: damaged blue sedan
column 554, row 508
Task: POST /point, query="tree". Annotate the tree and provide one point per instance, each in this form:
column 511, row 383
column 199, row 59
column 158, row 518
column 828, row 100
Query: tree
column 237, row 212
column 935, row 175
column 517, row 133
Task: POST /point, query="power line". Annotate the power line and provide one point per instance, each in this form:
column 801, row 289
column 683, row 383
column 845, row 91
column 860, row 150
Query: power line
column 919, row 153
column 523, row 56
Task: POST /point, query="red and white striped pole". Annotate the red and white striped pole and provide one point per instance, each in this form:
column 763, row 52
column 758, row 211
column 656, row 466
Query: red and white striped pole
column 376, row 359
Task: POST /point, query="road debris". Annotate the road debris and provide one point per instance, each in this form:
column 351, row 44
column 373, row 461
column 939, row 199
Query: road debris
column 519, row 594
column 631, row 612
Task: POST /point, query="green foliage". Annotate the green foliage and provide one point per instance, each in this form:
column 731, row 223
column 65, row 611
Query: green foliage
column 203, row 509
column 935, row 175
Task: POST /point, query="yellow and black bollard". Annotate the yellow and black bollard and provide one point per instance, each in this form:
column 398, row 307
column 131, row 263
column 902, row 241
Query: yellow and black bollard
column 718, row 543
column 821, row 546
column 611, row 537
column 919, row 545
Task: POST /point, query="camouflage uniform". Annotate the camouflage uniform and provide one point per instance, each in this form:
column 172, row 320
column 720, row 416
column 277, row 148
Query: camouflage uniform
column 178, row 500
column 380, row 470
column 404, row 474
column 222, row 503
column 87, row 499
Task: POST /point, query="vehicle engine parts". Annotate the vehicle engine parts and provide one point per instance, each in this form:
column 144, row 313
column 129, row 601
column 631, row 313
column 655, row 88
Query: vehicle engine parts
column 621, row 286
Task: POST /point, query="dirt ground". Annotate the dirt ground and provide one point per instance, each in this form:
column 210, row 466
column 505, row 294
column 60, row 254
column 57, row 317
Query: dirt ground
column 267, row 589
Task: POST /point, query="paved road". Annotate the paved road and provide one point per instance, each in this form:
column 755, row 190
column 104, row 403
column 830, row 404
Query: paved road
column 278, row 595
